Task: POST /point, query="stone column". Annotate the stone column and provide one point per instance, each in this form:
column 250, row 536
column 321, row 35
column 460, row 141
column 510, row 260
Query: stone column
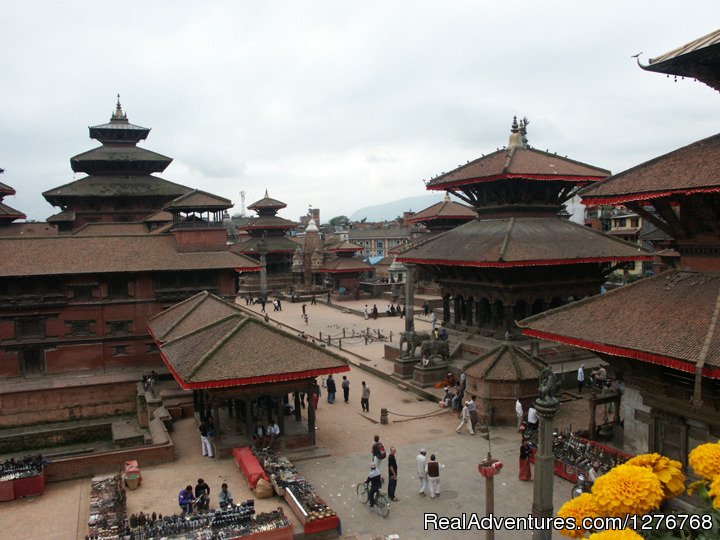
column 446, row 309
column 509, row 318
column 457, row 312
column 263, row 275
column 547, row 406
column 298, row 412
column 410, row 298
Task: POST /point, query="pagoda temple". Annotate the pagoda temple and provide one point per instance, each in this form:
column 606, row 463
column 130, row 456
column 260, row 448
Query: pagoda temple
column 119, row 186
column 267, row 239
column 8, row 214
column 443, row 216
column 342, row 270
column 660, row 334
column 518, row 257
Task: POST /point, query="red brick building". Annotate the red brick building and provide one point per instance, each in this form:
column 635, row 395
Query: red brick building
column 74, row 307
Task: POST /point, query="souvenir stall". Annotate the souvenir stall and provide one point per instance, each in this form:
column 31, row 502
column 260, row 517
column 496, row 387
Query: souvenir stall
column 22, row 477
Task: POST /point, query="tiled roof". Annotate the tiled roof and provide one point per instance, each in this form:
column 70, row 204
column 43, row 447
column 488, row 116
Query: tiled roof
column 380, row 234
column 690, row 169
column 518, row 162
column 112, row 229
column 505, row 363
column 273, row 244
column 28, row 229
column 267, row 202
column 117, row 186
column 9, row 212
column 345, row 245
column 211, row 345
column 445, row 209
column 161, row 216
column 197, row 199
column 100, row 254
column 6, row 190
column 119, row 155
column 663, row 319
column 521, row 242
column 268, row 222
column 699, row 59
column 629, row 231
column 62, row 217
column 345, row 264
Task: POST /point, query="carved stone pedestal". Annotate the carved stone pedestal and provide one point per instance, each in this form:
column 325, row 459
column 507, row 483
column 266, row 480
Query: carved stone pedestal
column 403, row 367
column 425, row 376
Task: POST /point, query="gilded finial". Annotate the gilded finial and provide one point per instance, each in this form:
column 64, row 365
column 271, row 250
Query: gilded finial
column 514, row 126
column 266, row 194
column 118, row 114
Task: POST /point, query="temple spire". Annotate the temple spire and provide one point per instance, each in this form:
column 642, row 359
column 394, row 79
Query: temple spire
column 118, row 114
column 518, row 133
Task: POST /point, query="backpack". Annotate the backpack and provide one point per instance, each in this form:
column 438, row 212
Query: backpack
column 379, row 451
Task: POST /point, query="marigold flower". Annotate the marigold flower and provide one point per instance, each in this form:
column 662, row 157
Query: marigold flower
column 668, row 471
column 578, row 508
column 715, row 492
column 624, row 534
column 705, row 460
column 627, row 489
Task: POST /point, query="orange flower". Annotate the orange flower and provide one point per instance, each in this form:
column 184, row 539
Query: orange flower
column 715, row 491
column 627, row 489
column 578, row 508
column 668, row 471
column 624, row 534
column 705, row 459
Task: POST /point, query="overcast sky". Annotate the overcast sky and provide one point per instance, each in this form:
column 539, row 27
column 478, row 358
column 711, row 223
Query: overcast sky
column 340, row 104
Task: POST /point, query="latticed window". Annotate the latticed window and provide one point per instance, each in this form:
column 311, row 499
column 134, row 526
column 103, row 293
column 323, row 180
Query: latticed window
column 31, row 328
column 80, row 327
column 119, row 327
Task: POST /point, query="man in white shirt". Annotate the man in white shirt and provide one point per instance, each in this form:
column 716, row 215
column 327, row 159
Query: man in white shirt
column 465, row 419
column 519, row 412
column 533, row 419
column 420, row 461
column 581, row 377
column 273, row 432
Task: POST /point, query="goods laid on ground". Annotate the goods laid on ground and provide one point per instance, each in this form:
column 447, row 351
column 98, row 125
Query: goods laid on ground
column 107, row 509
column 108, row 520
column 300, row 495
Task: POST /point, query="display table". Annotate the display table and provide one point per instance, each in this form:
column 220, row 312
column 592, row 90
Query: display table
column 591, row 451
column 311, row 522
column 248, row 463
column 30, row 486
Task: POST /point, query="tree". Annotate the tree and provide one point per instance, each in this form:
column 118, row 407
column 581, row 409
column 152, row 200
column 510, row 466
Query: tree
column 339, row 220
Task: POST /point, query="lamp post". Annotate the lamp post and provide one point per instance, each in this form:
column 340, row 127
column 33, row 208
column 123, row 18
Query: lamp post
column 488, row 469
column 547, row 405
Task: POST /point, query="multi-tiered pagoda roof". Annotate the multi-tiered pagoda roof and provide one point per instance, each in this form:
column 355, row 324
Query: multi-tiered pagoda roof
column 7, row 213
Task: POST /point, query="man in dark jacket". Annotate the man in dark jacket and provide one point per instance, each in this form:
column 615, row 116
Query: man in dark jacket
column 331, row 389
column 202, row 495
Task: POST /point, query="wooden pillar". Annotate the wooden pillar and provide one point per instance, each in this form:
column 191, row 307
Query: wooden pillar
column 201, row 406
column 469, row 311
column 243, row 413
column 458, row 312
column 235, row 403
column 281, row 415
column 509, row 318
column 311, row 414
column 298, row 412
column 216, row 420
column 446, row 309
column 229, row 404
column 195, row 400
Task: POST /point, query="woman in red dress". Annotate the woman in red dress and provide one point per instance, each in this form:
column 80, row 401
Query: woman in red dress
column 525, row 453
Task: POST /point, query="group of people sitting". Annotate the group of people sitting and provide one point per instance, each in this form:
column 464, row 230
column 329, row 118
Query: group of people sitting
column 266, row 437
column 454, row 391
column 199, row 499
column 392, row 311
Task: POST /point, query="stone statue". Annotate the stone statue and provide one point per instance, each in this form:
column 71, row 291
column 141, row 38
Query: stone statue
column 413, row 340
column 434, row 347
column 549, row 387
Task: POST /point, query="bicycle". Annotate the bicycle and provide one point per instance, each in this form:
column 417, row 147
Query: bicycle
column 382, row 503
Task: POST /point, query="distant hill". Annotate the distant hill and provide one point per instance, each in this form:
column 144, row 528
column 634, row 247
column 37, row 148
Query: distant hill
column 390, row 210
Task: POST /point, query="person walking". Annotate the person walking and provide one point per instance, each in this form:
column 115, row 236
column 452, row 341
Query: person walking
column 205, row 429
column 465, row 419
column 329, row 297
column 366, row 312
column 581, row 378
column 262, row 305
column 279, row 304
column 331, row 389
column 524, row 470
column 346, row 389
column 365, row 398
column 519, row 412
column 420, row 462
column 306, row 318
column 432, row 468
column 402, row 313
column 374, row 312
column 304, row 306
column 472, row 409
column 433, row 319
column 312, row 300
column 426, row 308
column 392, row 474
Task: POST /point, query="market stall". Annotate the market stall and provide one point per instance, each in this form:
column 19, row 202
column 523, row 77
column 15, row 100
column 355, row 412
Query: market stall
column 308, row 506
column 22, row 477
